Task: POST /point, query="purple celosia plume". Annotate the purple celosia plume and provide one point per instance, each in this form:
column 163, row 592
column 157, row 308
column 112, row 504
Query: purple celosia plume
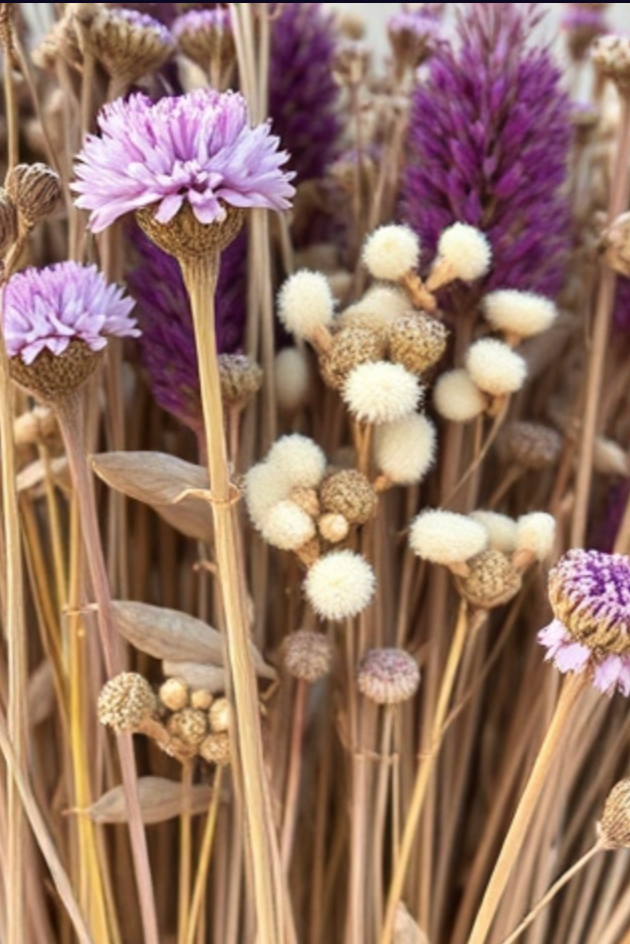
column 589, row 593
column 168, row 341
column 303, row 95
column 196, row 149
column 46, row 309
column 488, row 141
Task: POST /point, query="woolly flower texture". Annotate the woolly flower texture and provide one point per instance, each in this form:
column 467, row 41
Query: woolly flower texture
column 380, row 392
column 445, row 537
column 340, row 585
column 196, row 149
column 590, row 597
column 46, row 309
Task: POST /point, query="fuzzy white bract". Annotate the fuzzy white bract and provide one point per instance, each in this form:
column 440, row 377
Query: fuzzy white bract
column 264, row 488
column 340, row 585
column 523, row 314
column 457, row 398
column 292, row 378
column 298, row 461
column 391, row 252
column 445, row 537
column 305, row 303
column 466, row 250
column 536, row 533
column 287, row 526
column 495, row 368
column 501, row 530
column 380, row 392
column 405, row 450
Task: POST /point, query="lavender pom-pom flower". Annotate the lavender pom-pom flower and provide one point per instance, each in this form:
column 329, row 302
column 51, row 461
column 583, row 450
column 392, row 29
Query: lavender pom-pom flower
column 196, row 149
column 589, row 593
column 488, row 142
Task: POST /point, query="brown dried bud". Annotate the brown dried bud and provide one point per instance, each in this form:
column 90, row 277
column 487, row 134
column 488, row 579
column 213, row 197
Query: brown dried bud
column 534, row 446
column 189, row 726
column 611, row 55
column 417, row 342
column 310, row 552
column 9, row 228
column 241, row 379
column 51, row 377
column 37, row 427
column 492, row 580
column 201, row 699
column 388, row 676
column 333, row 528
column 307, row 655
column 216, row 749
column 125, row 701
column 615, row 244
column 349, row 348
column 614, row 827
column 35, row 190
column 127, row 46
column 349, row 493
column 61, row 42
column 352, row 62
column 174, row 694
column 220, row 716
column 307, row 499
column 208, row 43
column 185, row 237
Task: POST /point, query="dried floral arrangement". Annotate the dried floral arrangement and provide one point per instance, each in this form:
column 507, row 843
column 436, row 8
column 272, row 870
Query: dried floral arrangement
column 315, row 426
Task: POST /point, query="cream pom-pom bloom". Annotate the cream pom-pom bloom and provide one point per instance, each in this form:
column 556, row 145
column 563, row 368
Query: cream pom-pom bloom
column 501, row 530
column 305, row 304
column 522, row 314
column 264, row 488
column 445, row 537
column 405, row 450
column 287, row 526
column 340, row 585
column 380, row 392
column 377, row 310
column 536, row 534
column 495, row 368
column 292, row 377
column 391, row 252
column 298, row 461
column 463, row 253
column 457, row 398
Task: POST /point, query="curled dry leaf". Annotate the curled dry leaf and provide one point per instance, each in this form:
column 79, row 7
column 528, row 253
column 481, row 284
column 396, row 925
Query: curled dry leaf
column 33, row 476
column 210, row 678
column 160, row 800
column 41, row 694
column 160, row 480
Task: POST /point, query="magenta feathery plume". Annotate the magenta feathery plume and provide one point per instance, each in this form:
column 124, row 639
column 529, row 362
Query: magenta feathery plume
column 488, row 141
column 195, row 149
column 46, row 309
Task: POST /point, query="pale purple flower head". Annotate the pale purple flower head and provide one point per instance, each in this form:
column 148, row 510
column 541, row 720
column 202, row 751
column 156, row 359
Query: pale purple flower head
column 164, row 12
column 589, row 593
column 194, row 20
column 145, row 21
column 46, row 309
column 197, row 149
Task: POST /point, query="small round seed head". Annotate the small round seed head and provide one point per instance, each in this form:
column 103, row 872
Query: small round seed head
column 201, row 699
column 216, row 750
column 287, row 526
column 501, row 530
column 388, row 676
column 536, row 534
column 292, row 378
column 381, row 392
column 391, row 252
column 533, row 445
column 417, row 342
column 350, row 347
column 128, row 44
column 405, row 450
column 125, row 701
column 186, row 237
column 35, row 190
column 614, row 826
column 206, row 37
column 333, row 528
column 308, row 500
column 174, row 694
column 466, row 250
column 189, row 725
column 8, row 222
column 445, row 537
column 264, row 488
column 377, row 310
column 220, row 716
column 240, row 379
column 349, row 493
column 340, row 585
column 298, row 461
column 52, row 377
column 495, row 368
column 305, row 303
column 457, row 398
column 492, row 580
column 522, row 314
column 307, row 655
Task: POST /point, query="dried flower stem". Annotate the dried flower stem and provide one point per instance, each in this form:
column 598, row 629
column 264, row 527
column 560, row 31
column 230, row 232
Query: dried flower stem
column 205, row 854
column 200, row 277
column 185, row 859
column 526, row 808
column 293, row 776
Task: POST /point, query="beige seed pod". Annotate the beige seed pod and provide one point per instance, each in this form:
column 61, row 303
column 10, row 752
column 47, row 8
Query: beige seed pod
column 51, row 377
column 240, row 379
column 333, row 528
column 35, row 190
column 189, row 725
column 220, row 716
column 614, row 827
column 125, row 702
column 307, row 499
column 174, row 694
column 201, row 699
column 307, row 655
column 349, row 493
column 9, row 227
column 388, row 676
column 127, row 46
column 492, row 580
column 350, row 347
column 417, row 342
column 216, row 749
column 533, row 445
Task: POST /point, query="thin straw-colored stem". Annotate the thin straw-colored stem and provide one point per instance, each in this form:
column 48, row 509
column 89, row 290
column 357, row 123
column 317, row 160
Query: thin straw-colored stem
column 293, row 776
column 205, row 854
column 185, row 859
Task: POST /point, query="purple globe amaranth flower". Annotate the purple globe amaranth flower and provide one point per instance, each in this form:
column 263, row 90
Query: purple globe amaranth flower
column 488, row 141
column 168, row 346
column 194, row 149
column 46, row 309
column 164, row 12
column 303, row 95
column 589, row 593
column 218, row 19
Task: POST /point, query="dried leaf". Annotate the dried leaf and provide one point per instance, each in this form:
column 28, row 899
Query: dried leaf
column 161, row 481
column 211, row 678
column 160, row 800
column 41, row 694
column 32, row 477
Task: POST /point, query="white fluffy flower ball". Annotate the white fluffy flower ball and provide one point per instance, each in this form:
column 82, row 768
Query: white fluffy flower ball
column 340, row 585
column 305, row 303
column 457, row 398
column 495, row 368
column 405, row 450
column 380, row 392
column 466, row 250
column 445, row 537
column 501, row 530
column 536, row 533
column 297, row 461
column 391, row 252
column 523, row 314
column 287, row 526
